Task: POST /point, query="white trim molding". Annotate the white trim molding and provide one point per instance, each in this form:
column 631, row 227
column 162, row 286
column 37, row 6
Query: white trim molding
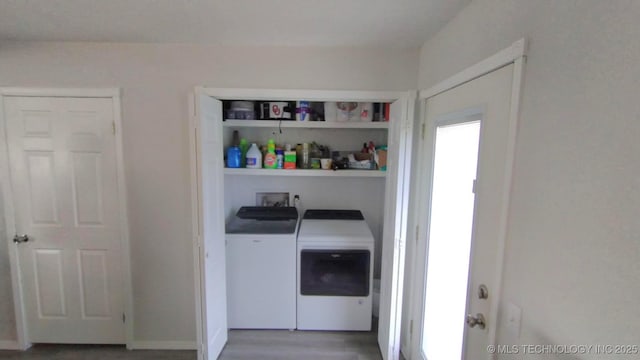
column 5, row 183
column 163, row 345
column 127, row 280
column 507, row 56
column 311, row 95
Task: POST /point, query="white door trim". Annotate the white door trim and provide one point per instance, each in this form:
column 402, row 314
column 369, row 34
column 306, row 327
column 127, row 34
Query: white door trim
column 514, row 54
column 517, row 50
column 195, row 216
column 401, row 234
column 291, row 94
column 114, row 94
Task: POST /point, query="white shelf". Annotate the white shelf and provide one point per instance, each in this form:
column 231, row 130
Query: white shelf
column 306, row 172
column 306, row 124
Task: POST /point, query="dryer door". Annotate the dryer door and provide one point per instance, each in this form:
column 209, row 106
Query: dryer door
column 335, row 272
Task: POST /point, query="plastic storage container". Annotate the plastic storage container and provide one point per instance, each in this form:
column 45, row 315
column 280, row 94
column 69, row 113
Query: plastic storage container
column 241, row 110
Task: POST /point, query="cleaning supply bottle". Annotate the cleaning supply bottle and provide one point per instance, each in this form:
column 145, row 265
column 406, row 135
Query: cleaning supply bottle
column 254, row 157
column 289, row 158
column 270, row 158
column 306, row 156
column 243, row 150
column 234, row 156
column 279, row 158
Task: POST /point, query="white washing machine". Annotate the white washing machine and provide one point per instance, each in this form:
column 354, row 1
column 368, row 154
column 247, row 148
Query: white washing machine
column 261, row 268
column 335, row 271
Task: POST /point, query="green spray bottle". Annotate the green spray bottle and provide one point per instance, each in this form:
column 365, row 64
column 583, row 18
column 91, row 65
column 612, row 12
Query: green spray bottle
column 244, row 147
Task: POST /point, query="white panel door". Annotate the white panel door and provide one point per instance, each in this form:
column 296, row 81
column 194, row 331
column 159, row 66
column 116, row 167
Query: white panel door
column 63, row 173
column 488, row 100
column 394, row 234
column 212, row 260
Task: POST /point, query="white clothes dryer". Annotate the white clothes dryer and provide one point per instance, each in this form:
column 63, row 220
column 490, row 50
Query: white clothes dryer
column 335, row 271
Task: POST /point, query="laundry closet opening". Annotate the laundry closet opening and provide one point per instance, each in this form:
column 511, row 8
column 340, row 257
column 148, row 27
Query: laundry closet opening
column 308, row 183
column 318, row 275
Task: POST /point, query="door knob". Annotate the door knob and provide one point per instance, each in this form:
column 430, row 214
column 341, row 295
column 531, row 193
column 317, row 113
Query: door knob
column 477, row 320
column 20, row 238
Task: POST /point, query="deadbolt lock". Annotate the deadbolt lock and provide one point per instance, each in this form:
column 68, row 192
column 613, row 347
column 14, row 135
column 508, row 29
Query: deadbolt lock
column 483, row 292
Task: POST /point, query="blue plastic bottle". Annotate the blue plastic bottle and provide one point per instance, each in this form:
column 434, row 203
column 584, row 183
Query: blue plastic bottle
column 234, row 157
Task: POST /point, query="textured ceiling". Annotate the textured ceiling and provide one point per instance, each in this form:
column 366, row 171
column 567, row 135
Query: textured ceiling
column 361, row 23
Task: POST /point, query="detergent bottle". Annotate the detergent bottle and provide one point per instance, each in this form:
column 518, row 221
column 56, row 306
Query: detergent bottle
column 254, row 157
column 270, row 158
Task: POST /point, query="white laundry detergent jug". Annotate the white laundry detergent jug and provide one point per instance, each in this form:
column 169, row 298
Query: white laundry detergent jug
column 254, row 157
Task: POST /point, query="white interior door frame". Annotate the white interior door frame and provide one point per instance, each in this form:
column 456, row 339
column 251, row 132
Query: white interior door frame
column 195, row 217
column 9, row 214
column 311, row 95
column 402, row 185
column 514, row 54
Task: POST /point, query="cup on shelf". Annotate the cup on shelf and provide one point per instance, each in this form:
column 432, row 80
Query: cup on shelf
column 326, row 164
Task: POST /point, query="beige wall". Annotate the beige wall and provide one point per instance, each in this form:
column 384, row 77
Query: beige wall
column 573, row 252
column 156, row 80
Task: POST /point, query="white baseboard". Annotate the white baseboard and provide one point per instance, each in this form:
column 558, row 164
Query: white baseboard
column 137, row 345
column 163, row 345
column 9, row 345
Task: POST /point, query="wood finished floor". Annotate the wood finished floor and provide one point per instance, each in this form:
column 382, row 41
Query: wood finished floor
column 242, row 345
column 298, row 345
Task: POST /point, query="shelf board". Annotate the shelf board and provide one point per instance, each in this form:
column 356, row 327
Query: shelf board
column 306, row 124
column 306, row 172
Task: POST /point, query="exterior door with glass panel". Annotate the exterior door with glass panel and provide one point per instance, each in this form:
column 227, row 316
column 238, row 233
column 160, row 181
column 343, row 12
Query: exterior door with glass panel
column 62, row 157
column 469, row 129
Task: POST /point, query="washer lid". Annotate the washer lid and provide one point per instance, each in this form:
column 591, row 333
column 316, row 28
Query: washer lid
column 268, row 213
column 333, row 214
column 334, row 231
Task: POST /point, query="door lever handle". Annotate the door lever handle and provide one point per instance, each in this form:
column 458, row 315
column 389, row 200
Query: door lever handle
column 18, row 239
column 478, row 320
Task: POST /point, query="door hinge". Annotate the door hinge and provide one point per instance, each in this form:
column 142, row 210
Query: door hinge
column 417, row 232
column 411, row 327
column 473, row 187
column 113, row 125
column 124, row 317
column 422, row 131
